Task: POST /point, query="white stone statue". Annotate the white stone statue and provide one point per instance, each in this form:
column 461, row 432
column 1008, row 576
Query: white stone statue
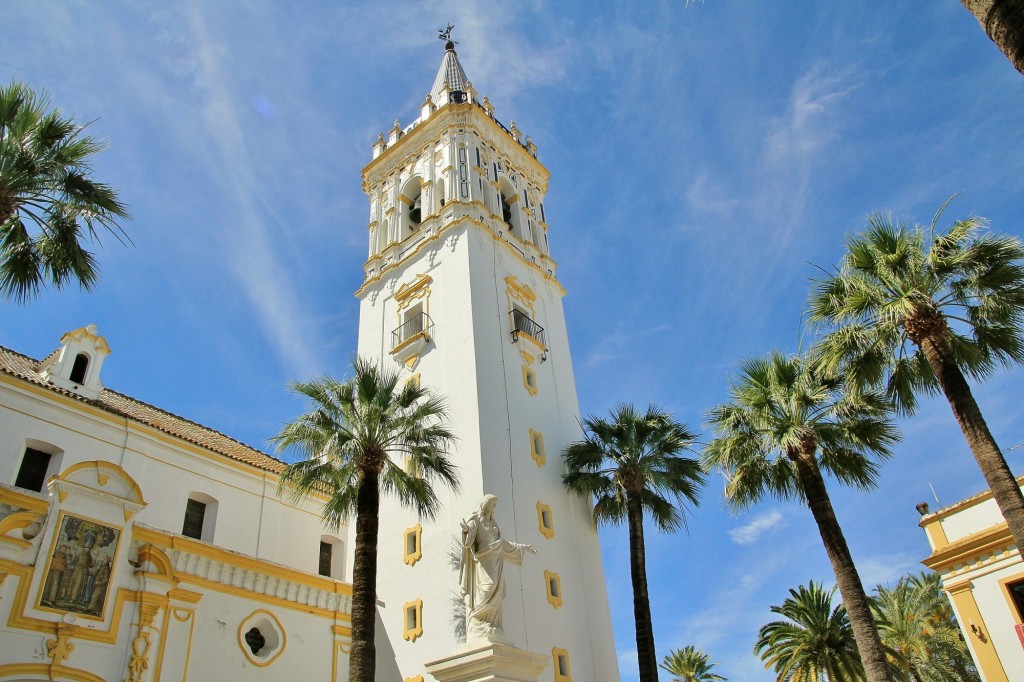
column 484, row 555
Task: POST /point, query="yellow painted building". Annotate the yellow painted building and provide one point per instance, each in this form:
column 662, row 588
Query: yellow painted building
column 983, row 575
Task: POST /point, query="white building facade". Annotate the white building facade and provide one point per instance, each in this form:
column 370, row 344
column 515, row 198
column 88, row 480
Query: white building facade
column 136, row 545
column 983, row 575
column 461, row 292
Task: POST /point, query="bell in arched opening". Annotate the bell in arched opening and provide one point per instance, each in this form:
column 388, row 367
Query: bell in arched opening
column 415, row 212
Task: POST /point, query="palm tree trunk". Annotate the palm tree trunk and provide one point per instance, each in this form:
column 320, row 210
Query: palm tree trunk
column 869, row 644
column 1003, row 21
column 362, row 660
column 647, row 659
column 968, row 415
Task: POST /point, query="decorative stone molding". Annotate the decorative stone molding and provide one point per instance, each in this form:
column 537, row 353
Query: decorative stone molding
column 258, row 582
column 59, row 649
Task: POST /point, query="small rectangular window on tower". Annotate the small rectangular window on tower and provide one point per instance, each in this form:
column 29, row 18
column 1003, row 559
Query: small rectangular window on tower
column 554, row 588
column 560, row 658
column 545, row 520
column 412, row 614
column 412, row 545
column 537, row 448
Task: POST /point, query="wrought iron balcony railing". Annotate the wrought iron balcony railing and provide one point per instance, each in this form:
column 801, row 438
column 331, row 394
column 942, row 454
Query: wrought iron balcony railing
column 521, row 323
column 415, row 325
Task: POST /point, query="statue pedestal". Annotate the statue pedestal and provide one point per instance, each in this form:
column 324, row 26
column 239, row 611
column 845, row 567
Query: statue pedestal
column 489, row 662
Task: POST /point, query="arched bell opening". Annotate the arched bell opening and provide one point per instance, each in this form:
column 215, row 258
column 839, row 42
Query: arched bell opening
column 413, row 209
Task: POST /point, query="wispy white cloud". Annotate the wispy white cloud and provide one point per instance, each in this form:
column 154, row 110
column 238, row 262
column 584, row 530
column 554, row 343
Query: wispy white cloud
column 613, row 344
column 752, row 532
column 250, row 245
column 886, row 569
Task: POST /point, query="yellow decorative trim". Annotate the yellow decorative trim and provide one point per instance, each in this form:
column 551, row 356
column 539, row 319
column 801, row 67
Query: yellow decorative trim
column 414, row 380
column 976, row 631
column 553, row 585
column 165, row 541
column 415, row 534
column 45, row 671
column 1004, row 586
column 244, row 626
column 111, row 469
column 529, row 380
column 419, row 288
column 18, row 620
column 138, row 664
column 560, row 659
column 546, row 529
column 537, row 448
column 180, row 616
column 162, row 563
column 84, row 333
column 968, row 549
column 464, row 117
column 409, row 341
column 517, row 291
column 527, row 358
column 17, row 521
column 187, row 596
column 485, row 230
column 19, row 500
column 412, row 620
column 60, row 648
column 415, row 678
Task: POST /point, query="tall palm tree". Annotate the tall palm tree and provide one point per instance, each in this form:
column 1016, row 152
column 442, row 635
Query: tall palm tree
column 47, row 196
column 354, row 441
column 1003, row 22
column 690, row 664
column 815, row 643
column 631, row 464
column 917, row 623
column 788, row 423
column 918, row 309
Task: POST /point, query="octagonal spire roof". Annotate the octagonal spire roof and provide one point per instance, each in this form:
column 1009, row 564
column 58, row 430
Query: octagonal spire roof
column 450, row 75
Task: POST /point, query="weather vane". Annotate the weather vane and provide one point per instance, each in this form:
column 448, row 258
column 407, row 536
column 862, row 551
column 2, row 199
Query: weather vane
column 446, row 34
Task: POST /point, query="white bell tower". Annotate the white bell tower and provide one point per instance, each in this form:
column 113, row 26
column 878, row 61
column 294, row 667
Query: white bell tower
column 461, row 293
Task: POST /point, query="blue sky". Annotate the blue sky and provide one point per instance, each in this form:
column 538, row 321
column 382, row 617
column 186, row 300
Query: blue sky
column 703, row 157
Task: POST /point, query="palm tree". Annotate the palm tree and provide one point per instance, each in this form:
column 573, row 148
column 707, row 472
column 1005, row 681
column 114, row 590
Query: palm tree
column 349, row 442
column 1003, row 21
column 917, row 623
column 47, row 196
column 632, row 465
column 815, row 643
column 918, row 309
column 690, row 664
column 787, row 424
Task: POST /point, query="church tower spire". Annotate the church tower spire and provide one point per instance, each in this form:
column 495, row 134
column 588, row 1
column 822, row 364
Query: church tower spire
column 461, row 292
column 451, row 83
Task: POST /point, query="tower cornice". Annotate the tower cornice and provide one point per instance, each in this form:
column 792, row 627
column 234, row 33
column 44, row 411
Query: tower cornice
column 454, row 116
column 544, row 267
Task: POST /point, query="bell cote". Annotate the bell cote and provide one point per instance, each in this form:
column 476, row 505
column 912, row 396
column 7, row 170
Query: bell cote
column 76, row 365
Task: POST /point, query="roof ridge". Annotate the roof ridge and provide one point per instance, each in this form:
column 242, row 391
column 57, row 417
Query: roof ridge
column 249, row 455
column 192, row 422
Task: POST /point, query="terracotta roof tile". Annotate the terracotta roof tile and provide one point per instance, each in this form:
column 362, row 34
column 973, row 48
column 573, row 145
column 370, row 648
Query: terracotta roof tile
column 25, row 368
